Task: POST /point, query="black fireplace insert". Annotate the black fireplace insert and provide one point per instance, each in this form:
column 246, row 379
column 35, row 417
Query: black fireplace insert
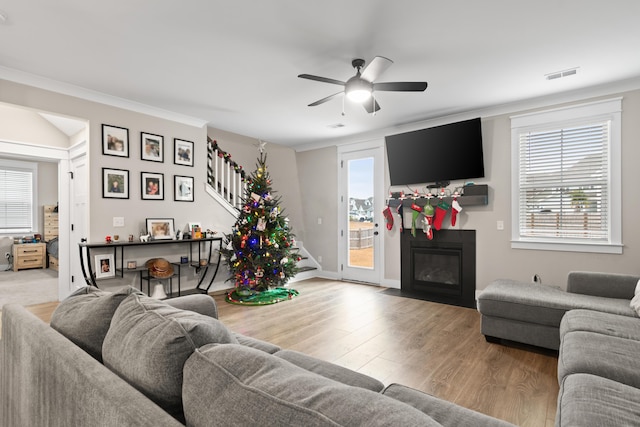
column 441, row 270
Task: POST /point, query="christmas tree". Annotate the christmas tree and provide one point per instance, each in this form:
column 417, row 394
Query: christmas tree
column 260, row 249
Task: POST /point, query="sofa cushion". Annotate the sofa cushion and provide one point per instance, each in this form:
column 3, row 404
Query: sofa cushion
column 331, row 370
column 265, row 346
column 600, row 323
column 602, row 355
column 444, row 412
column 149, row 341
column 85, row 315
column 588, row 400
column 244, row 386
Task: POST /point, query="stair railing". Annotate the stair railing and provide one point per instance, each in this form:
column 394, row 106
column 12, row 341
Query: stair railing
column 225, row 178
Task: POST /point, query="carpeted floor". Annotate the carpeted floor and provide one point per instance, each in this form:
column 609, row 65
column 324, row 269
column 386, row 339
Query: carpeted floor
column 28, row 287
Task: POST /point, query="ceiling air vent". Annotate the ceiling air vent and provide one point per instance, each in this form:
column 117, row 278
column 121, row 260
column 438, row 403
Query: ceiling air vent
column 560, row 74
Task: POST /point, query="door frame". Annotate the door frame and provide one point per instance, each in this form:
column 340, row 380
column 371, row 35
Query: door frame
column 374, row 148
column 33, row 152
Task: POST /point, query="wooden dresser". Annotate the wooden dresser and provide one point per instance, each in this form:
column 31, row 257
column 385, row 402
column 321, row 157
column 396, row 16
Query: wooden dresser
column 50, row 222
column 51, row 231
column 29, row 255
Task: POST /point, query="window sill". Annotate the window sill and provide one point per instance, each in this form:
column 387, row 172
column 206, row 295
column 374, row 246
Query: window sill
column 601, row 248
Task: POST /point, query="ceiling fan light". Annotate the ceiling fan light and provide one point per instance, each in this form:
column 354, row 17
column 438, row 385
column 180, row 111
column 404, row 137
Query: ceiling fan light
column 359, row 95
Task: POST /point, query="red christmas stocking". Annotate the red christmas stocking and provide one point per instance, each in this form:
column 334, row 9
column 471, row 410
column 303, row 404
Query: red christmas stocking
column 427, row 226
column 388, row 217
column 455, row 210
column 415, row 213
column 441, row 212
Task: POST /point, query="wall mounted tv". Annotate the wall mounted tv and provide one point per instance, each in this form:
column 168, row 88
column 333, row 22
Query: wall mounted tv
column 436, row 155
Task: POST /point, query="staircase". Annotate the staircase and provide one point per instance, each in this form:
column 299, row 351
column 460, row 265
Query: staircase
column 227, row 182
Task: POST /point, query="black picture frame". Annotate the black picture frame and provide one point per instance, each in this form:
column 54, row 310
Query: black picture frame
column 151, row 147
column 182, row 188
column 115, row 141
column 182, row 152
column 152, row 185
column 115, row 183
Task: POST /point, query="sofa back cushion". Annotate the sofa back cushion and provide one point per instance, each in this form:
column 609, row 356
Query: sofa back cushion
column 245, row 386
column 85, row 315
column 149, row 341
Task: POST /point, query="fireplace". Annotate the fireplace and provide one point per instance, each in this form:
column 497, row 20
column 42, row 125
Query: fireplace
column 440, row 270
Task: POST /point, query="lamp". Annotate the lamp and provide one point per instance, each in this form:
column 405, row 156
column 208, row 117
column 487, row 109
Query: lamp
column 358, row 89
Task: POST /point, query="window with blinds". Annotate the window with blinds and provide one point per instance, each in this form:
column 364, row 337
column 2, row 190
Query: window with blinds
column 564, row 184
column 16, row 200
column 566, row 180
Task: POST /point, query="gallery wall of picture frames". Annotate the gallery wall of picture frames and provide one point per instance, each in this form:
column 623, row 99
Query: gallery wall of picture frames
column 116, row 182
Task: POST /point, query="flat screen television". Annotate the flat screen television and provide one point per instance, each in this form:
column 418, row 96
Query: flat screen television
column 436, row 155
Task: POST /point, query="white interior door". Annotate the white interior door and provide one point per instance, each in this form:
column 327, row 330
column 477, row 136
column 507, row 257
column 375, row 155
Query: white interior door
column 77, row 215
column 360, row 216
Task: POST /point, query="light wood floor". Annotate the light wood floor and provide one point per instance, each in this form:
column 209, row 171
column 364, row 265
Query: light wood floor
column 432, row 347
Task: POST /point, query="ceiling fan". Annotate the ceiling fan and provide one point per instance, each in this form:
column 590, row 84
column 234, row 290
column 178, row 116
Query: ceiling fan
column 361, row 87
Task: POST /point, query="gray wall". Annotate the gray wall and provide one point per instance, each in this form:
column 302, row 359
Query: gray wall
column 308, row 184
column 495, row 258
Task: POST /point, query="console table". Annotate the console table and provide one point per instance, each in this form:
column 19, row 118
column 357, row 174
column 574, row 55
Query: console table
column 196, row 246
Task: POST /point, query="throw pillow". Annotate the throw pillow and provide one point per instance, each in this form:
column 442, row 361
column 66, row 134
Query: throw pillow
column 635, row 304
column 85, row 315
column 637, row 290
column 149, row 341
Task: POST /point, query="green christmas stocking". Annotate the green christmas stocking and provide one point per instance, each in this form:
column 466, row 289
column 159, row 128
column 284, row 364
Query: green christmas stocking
column 415, row 213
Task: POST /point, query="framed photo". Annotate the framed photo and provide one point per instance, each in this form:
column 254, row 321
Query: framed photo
column 152, row 186
column 160, row 228
column 183, row 152
column 132, row 265
column 105, row 267
column 183, row 188
column 115, row 183
column 115, row 141
column 152, row 147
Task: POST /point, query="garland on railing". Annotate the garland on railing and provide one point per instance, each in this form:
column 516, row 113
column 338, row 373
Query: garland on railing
column 227, row 159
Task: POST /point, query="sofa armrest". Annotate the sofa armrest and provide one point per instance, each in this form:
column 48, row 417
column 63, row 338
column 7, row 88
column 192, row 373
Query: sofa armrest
column 200, row 303
column 608, row 285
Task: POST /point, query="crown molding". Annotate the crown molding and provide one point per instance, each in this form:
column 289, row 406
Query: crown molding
column 40, row 82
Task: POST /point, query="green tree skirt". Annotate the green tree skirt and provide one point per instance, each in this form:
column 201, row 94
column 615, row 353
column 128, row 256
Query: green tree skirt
column 271, row 296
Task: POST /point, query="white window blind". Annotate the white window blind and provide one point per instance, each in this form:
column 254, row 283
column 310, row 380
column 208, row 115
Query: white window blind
column 16, row 200
column 566, row 179
column 564, row 183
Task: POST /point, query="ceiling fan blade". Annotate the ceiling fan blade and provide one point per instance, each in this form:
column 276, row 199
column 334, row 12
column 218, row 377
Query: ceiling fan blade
column 323, row 100
column 376, row 67
column 401, row 86
column 371, row 105
column 321, row 79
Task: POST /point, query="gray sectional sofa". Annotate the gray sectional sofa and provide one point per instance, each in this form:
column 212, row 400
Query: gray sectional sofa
column 123, row 359
column 530, row 313
column 596, row 332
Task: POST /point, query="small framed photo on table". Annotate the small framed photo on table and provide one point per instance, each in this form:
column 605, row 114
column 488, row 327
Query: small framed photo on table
column 152, row 147
column 115, row 141
column 183, row 188
column 105, row 267
column 115, row 183
column 161, row 228
column 152, row 186
column 182, row 152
